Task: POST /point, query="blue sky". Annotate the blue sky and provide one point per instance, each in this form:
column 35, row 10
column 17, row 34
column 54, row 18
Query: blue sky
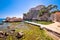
column 16, row 8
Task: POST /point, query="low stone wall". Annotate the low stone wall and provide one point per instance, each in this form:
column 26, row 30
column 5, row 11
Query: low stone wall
column 42, row 27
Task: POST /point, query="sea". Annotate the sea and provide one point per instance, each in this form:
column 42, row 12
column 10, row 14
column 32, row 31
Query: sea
column 1, row 19
column 2, row 24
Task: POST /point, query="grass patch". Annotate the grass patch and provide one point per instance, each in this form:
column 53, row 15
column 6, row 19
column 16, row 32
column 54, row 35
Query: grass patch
column 34, row 33
column 44, row 22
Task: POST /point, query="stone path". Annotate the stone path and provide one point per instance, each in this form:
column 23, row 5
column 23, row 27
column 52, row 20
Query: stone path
column 54, row 27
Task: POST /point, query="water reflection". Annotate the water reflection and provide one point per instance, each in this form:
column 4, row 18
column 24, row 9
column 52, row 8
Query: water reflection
column 4, row 26
column 22, row 26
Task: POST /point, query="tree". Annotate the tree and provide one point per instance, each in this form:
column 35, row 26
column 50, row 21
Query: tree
column 51, row 7
column 47, row 9
column 42, row 11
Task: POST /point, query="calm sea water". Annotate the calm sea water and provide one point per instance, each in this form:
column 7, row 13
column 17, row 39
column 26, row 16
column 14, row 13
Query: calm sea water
column 4, row 25
column 1, row 19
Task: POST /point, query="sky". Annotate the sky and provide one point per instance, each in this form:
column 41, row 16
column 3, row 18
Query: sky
column 16, row 8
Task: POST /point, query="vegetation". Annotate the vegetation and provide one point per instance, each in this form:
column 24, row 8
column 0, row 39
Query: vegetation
column 48, row 9
column 41, row 12
column 32, row 33
column 44, row 22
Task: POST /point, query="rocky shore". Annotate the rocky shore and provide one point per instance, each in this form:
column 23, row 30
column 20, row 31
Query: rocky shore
column 13, row 19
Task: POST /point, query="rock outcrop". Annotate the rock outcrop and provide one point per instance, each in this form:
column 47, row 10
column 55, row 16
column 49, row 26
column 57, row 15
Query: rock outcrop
column 33, row 14
column 55, row 17
column 13, row 19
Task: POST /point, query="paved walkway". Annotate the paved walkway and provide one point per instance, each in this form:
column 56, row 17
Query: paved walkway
column 54, row 26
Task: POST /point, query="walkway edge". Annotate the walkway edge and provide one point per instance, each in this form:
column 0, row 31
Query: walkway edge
column 43, row 27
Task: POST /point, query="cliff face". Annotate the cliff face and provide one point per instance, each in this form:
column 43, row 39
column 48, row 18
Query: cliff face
column 39, row 7
column 57, row 17
column 33, row 14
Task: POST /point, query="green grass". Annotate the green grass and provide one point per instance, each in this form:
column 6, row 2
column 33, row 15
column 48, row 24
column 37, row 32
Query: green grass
column 32, row 33
column 35, row 33
column 44, row 22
